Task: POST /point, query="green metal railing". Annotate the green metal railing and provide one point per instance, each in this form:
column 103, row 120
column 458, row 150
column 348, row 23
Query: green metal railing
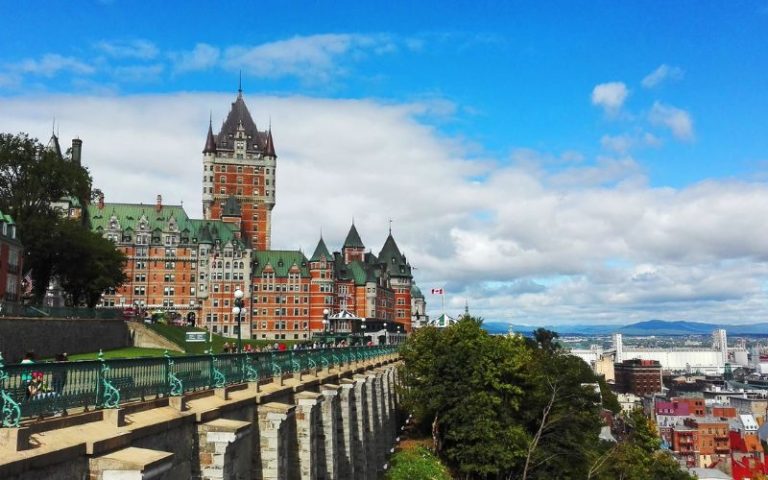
column 29, row 391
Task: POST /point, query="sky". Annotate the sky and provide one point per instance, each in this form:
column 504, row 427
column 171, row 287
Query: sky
column 546, row 163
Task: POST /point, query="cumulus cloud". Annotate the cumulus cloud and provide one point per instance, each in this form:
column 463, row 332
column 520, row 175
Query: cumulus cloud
column 139, row 73
column 610, row 96
column 136, row 49
column 677, row 120
column 51, row 64
column 624, row 142
column 535, row 242
column 662, row 73
column 311, row 57
column 202, row 57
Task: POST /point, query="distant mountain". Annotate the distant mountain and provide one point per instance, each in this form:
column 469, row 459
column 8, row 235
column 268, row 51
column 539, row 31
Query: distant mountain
column 661, row 327
column 649, row 327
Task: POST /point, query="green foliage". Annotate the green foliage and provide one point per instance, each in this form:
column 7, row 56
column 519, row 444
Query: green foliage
column 32, row 180
column 416, row 464
column 508, row 407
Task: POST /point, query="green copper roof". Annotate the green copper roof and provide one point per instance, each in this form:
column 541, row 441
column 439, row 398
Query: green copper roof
column 130, row 217
column 321, row 251
column 281, row 261
column 353, row 239
column 395, row 262
column 416, row 292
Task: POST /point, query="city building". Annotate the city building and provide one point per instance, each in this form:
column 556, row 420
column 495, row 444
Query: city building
column 190, row 269
column 11, row 262
column 640, row 377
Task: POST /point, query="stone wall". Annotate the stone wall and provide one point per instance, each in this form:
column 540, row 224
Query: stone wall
column 319, row 428
column 47, row 337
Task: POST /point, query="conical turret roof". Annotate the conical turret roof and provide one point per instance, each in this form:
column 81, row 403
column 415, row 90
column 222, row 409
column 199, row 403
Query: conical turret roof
column 353, row 239
column 269, row 149
column 321, row 251
column 210, row 142
column 395, row 261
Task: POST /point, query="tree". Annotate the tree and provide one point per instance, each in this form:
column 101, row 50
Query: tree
column 506, row 407
column 32, row 180
column 87, row 264
column 464, row 383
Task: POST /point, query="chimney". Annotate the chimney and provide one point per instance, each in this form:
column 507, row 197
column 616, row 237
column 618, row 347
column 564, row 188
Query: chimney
column 159, row 205
column 77, row 149
column 101, row 201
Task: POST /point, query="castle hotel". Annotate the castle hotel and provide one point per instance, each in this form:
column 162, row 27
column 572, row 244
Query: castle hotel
column 192, row 267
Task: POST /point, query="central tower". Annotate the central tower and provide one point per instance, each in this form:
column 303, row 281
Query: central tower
column 239, row 175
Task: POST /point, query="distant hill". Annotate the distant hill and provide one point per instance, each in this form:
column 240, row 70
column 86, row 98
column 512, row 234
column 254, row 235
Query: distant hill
column 649, row 327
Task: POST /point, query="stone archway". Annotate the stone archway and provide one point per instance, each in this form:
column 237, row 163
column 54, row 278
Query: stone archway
column 191, row 317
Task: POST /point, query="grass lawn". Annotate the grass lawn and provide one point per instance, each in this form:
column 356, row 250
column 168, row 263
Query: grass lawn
column 130, row 352
column 178, row 336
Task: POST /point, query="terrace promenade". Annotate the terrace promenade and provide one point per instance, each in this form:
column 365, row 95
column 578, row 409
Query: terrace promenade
column 315, row 414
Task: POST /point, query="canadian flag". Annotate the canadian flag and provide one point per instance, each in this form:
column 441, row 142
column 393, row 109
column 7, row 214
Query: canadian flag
column 437, row 291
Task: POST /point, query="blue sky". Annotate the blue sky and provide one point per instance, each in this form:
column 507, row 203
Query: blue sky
column 656, row 103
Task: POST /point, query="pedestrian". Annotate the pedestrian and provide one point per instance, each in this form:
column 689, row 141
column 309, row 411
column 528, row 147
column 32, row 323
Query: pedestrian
column 226, row 347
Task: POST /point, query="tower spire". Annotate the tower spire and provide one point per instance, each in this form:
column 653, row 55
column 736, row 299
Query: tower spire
column 240, row 84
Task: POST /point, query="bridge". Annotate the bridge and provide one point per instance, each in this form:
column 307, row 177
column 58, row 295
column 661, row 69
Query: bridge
column 305, row 414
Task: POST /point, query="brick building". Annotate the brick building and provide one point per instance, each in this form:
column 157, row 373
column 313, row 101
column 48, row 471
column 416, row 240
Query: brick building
column 11, row 261
column 641, row 377
column 192, row 267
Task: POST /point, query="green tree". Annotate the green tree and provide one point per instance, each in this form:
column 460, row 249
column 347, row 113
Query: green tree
column 639, row 457
column 464, row 383
column 32, row 180
column 87, row 264
column 562, row 412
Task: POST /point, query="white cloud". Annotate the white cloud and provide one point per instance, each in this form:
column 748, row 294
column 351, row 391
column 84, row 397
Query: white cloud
column 202, row 57
column 625, row 142
column 312, row 57
column 610, row 96
column 585, row 241
column 139, row 73
column 137, row 49
column 50, row 64
column 662, row 73
column 677, row 120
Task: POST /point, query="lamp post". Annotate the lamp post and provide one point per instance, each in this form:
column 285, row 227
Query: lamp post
column 386, row 334
column 325, row 319
column 238, row 310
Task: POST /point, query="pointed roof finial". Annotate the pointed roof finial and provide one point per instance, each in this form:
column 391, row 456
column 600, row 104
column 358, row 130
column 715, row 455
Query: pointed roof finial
column 390, row 225
column 240, row 85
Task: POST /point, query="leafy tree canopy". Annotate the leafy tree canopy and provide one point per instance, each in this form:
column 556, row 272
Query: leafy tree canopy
column 32, row 180
column 504, row 407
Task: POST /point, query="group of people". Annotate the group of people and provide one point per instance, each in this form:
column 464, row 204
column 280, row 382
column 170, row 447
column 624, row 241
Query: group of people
column 281, row 347
column 35, row 383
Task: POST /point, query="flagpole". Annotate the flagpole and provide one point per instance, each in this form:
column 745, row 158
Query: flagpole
column 442, row 299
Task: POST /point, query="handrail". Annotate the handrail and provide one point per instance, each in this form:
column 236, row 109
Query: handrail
column 29, row 391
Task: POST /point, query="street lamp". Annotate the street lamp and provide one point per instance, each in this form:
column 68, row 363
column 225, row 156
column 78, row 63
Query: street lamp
column 239, row 310
column 325, row 319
